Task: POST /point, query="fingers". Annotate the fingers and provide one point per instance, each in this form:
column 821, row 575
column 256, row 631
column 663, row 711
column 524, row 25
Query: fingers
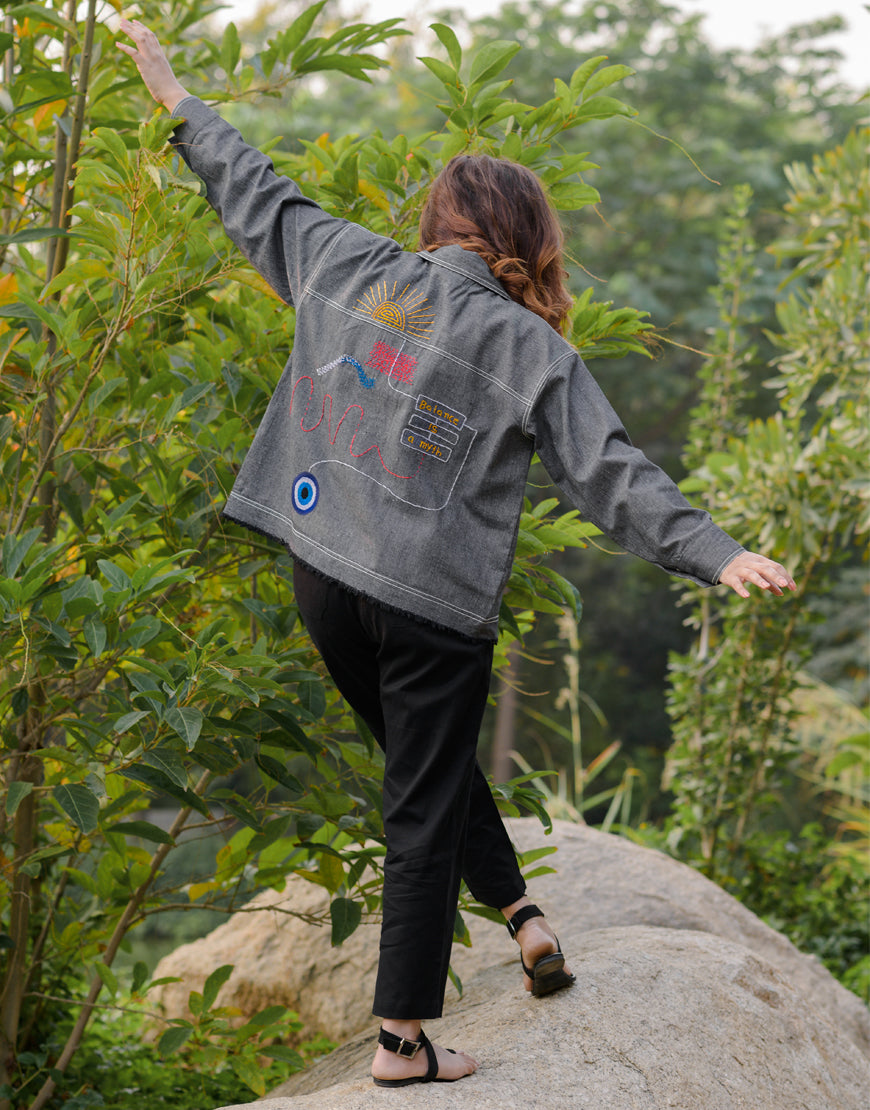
column 141, row 36
column 152, row 63
column 147, row 45
column 749, row 568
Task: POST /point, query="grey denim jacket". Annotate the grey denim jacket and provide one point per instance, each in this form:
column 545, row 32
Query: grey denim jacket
column 394, row 452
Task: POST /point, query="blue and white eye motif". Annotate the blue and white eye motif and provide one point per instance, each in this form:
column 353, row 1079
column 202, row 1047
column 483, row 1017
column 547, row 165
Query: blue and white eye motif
column 305, row 493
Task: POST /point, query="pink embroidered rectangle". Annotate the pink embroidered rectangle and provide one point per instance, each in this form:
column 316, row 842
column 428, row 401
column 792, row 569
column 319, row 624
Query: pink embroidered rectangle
column 393, row 363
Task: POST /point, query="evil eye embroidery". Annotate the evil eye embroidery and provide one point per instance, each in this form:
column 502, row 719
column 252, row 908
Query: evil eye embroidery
column 306, row 493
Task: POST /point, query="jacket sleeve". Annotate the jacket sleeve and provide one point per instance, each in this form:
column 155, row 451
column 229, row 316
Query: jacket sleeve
column 587, row 452
column 282, row 233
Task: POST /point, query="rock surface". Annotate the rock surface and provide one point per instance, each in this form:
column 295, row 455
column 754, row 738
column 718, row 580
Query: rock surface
column 660, row 1018
column 604, row 890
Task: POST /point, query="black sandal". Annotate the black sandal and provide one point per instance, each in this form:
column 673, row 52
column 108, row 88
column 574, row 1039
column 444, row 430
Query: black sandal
column 409, row 1049
column 549, row 972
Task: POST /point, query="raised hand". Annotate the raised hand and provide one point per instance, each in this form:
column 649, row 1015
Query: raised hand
column 152, row 64
column 757, row 570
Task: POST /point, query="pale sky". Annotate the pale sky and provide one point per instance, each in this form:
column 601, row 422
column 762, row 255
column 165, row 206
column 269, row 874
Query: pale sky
column 728, row 22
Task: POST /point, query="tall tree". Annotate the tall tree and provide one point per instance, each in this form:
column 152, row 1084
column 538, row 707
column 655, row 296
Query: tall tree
column 794, row 484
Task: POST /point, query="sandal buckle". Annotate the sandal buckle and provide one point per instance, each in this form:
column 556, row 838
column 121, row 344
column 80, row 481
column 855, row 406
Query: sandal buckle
column 408, row 1049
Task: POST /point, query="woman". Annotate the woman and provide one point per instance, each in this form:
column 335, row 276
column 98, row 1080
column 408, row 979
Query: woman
column 392, row 462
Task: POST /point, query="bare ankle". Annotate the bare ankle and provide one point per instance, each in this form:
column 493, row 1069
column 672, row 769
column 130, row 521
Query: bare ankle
column 409, row 1028
column 514, row 907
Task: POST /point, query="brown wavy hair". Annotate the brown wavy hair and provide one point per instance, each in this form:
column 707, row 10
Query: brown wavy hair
column 499, row 210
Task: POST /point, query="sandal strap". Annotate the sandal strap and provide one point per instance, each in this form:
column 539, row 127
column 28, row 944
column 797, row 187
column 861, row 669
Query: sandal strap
column 409, row 1049
column 521, row 917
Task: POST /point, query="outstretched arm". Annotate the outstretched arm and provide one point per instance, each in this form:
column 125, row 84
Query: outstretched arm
column 152, row 64
column 748, row 568
column 283, row 233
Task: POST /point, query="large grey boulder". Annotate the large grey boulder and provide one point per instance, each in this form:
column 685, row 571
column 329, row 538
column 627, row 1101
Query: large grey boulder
column 604, row 885
column 659, row 1018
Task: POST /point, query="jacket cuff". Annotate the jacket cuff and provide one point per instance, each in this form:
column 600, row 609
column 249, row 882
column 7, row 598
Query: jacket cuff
column 192, row 116
column 177, row 113
column 730, row 559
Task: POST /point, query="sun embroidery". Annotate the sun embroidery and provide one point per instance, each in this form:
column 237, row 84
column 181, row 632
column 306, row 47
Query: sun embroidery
column 406, row 311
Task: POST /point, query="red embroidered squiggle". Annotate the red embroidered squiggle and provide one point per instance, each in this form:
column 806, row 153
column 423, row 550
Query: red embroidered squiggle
column 333, row 435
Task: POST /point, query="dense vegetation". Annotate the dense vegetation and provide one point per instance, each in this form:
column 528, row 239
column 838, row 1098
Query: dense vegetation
column 152, row 655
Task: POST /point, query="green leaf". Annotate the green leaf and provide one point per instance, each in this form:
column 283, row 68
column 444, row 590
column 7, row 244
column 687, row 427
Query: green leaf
column 440, row 69
column 250, row 1073
column 603, row 107
column 52, row 320
column 109, row 140
column 231, row 49
column 353, row 64
column 285, row 1054
column 104, row 393
column 117, row 515
column 346, row 916
column 269, row 1016
column 80, row 804
column 447, row 38
column 117, row 578
column 169, row 762
column 20, row 701
column 18, row 310
column 16, row 792
column 581, row 75
column 312, row 698
column 568, row 196
column 125, row 723
column 110, row 981
column 82, row 879
column 299, row 28
column 35, row 235
column 140, row 976
column 842, row 762
column 81, row 272
column 15, row 550
column 240, row 808
column 173, row 1039
column 214, row 983
column 604, row 77
column 492, row 59
column 95, row 634
column 143, row 829
column 52, row 852
column 331, row 871
column 276, row 770
column 143, row 631
column 187, row 722
column 156, row 780
column 42, row 13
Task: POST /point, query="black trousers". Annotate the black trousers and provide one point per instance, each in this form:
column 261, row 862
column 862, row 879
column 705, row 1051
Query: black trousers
column 422, row 692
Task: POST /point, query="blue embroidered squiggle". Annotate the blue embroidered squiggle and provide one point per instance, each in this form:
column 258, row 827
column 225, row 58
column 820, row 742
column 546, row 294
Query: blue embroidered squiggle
column 364, row 380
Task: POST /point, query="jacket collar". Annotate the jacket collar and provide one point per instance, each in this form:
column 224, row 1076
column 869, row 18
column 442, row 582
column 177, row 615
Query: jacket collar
column 467, row 263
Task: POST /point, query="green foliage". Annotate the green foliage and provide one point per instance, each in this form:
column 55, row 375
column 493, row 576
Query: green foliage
column 213, row 1037
column 793, row 486
column 152, row 654
column 119, row 1069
